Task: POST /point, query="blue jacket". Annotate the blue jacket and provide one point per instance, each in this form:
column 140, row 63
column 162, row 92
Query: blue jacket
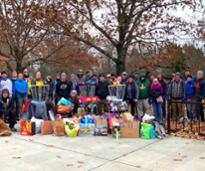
column 21, row 88
column 190, row 89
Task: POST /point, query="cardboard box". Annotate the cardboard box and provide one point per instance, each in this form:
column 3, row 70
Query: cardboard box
column 131, row 130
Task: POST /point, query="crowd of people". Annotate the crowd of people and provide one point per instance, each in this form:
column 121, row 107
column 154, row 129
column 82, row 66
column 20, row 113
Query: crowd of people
column 142, row 92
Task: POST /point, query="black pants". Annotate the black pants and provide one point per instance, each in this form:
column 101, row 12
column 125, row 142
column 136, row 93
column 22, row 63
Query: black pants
column 199, row 110
column 132, row 104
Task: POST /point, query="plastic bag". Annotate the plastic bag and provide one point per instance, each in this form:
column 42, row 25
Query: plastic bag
column 64, row 109
column 65, row 102
column 37, row 124
column 72, row 129
column 147, row 131
column 27, row 128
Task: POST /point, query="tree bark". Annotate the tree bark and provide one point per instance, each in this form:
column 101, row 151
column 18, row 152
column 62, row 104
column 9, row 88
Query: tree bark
column 19, row 66
column 121, row 59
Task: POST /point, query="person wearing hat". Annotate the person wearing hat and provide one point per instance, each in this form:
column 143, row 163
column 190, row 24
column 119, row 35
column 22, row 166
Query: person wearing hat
column 131, row 94
column 143, row 105
column 190, row 91
column 63, row 88
column 124, row 77
column 200, row 94
column 6, row 83
column 102, row 92
column 176, row 93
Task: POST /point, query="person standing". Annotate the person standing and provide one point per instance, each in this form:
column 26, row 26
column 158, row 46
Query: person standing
column 28, row 80
column 13, row 79
column 21, row 89
column 74, row 80
column 143, row 105
column 102, row 92
column 124, row 77
column 81, row 83
column 200, row 94
column 6, row 83
column 176, row 93
column 190, row 91
column 131, row 94
column 156, row 93
column 63, row 88
column 164, row 93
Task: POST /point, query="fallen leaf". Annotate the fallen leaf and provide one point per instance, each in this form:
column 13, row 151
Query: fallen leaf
column 81, row 162
column 177, row 159
column 58, row 157
column 16, row 157
column 69, row 165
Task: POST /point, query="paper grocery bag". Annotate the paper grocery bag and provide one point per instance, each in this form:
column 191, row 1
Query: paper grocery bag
column 47, row 127
column 58, row 127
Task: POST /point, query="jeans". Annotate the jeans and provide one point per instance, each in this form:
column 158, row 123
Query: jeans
column 157, row 107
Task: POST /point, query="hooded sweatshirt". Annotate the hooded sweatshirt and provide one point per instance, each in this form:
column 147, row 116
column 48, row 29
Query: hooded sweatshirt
column 6, row 84
column 144, row 86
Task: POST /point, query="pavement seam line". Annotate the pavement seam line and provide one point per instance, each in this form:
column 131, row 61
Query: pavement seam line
column 114, row 160
column 93, row 156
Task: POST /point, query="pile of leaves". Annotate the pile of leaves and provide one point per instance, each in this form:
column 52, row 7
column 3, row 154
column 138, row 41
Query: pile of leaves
column 194, row 131
column 189, row 134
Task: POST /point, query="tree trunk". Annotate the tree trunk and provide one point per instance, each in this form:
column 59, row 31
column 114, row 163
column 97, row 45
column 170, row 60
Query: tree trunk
column 121, row 60
column 120, row 67
column 19, row 66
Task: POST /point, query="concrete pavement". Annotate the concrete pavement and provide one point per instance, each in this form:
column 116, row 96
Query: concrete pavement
column 50, row 153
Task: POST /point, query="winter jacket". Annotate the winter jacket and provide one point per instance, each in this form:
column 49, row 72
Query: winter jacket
column 176, row 90
column 63, row 89
column 21, row 88
column 91, row 87
column 156, row 91
column 131, row 91
column 200, row 88
column 144, row 87
column 190, row 89
column 6, row 84
column 7, row 107
column 13, row 87
column 164, row 87
column 102, row 90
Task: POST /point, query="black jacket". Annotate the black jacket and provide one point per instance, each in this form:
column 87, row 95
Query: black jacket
column 102, row 89
column 7, row 108
column 200, row 88
column 131, row 93
column 63, row 89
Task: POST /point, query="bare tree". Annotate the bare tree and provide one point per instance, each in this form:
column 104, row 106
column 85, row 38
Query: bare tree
column 123, row 24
